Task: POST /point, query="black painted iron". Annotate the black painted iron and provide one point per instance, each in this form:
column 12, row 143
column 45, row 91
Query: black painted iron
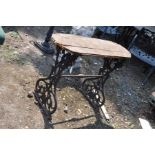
column 92, row 86
column 45, row 89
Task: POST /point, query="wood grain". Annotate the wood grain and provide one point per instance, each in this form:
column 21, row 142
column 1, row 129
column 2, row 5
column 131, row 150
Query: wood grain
column 90, row 46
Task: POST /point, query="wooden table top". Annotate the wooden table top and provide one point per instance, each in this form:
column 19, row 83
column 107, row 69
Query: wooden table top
column 90, row 46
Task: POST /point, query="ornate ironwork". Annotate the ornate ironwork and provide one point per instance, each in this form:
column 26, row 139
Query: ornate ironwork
column 45, row 89
column 93, row 88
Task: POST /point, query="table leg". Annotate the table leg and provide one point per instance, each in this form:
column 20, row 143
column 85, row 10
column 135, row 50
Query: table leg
column 93, row 88
column 45, row 89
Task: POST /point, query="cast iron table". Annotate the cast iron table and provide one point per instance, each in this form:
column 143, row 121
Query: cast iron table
column 69, row 48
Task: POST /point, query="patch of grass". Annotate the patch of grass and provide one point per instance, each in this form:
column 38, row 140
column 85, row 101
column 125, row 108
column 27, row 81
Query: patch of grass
column 12, row 56
column 14, row 34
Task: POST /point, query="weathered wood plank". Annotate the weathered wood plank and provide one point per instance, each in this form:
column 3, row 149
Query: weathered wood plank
column 90, row 46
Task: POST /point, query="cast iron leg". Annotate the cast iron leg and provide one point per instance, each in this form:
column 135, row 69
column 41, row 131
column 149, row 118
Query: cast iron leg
column 45, row 89
column 93, row 88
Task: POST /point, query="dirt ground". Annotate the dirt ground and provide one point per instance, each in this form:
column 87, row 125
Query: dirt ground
column 21, row 64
